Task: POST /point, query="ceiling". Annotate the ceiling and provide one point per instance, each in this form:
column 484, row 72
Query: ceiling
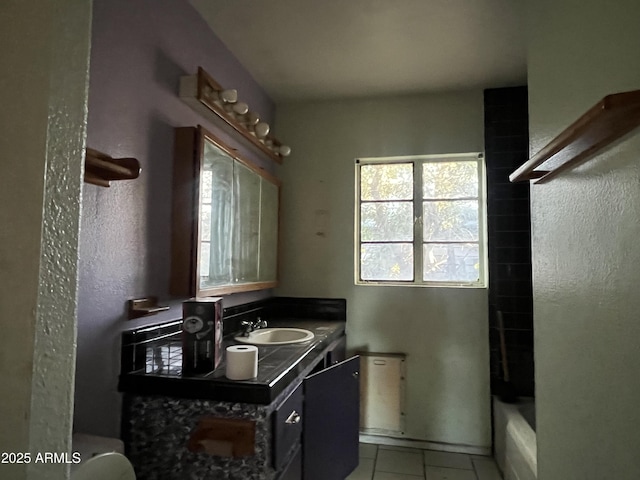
column 317, row 49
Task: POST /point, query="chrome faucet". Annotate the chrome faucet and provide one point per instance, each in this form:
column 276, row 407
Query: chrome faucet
column 248, row 327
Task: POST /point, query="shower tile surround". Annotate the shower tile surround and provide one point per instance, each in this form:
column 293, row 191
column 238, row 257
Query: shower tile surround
column 509, row 234
column 161, row 408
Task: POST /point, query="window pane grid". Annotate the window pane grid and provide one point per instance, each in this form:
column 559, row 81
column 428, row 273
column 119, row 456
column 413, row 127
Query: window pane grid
column 373, row 242
column 386, row 261
column 386, row 182
column 451, row 262
column 450, row 243
column 445, row 246
column 451, row 220
column 386, row 221
column 449, row 179
column 456, row 199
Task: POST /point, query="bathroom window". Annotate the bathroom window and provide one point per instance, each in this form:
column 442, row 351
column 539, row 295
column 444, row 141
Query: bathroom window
column 420, row 221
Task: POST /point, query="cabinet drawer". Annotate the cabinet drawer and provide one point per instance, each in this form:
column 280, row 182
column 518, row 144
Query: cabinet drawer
column 287, row 427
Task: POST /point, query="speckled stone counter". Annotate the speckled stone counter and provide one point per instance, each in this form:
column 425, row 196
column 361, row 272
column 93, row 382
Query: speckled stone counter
column 159, row 428
column 161, row 408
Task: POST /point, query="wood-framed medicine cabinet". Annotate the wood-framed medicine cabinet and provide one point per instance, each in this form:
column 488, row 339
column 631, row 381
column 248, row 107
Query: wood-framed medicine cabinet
column 224, row 219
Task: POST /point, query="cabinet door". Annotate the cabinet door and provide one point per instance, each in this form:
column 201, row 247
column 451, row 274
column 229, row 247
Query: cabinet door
column 331, row 414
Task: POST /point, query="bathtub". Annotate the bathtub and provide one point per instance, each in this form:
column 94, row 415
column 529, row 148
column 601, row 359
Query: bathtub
column 515, row 439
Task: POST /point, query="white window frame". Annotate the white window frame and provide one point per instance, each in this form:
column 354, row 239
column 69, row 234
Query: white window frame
column 417, row 161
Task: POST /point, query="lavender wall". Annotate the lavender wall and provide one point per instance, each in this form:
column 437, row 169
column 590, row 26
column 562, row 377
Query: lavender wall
column 139, row 51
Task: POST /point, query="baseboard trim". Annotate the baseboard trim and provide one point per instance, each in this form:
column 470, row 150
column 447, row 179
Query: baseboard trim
column 411, row 443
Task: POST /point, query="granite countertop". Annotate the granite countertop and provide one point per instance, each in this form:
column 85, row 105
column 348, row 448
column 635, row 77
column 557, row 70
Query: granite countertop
column 278, row 367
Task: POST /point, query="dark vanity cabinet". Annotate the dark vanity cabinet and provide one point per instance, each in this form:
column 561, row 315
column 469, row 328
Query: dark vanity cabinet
column 298, row 420
column 322, row 413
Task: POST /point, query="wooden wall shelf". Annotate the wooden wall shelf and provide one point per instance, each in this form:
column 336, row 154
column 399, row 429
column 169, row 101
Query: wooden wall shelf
column 201, row 92
column 143, row 307
column 100, row 168
column 611, row 118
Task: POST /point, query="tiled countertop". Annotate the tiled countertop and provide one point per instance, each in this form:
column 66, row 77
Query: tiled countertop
column 278, row 367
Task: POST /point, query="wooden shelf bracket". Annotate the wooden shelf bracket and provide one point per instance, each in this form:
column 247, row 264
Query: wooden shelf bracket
column 143, row 307
column 610, row 119
column 100, row 168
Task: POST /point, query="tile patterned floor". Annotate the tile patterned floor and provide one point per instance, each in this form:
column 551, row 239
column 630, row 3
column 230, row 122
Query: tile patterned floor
column 382, row 462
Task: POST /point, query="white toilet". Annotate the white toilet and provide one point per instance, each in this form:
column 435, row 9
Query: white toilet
column 101, row 459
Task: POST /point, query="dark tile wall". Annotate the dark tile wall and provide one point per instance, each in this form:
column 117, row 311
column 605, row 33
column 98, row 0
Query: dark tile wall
column 509, row 235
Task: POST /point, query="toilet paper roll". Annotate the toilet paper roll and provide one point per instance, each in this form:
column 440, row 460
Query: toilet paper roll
column 242, row 362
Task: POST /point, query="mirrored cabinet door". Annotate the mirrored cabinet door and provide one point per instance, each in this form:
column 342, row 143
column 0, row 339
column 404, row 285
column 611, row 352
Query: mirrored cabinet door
column 225, row 219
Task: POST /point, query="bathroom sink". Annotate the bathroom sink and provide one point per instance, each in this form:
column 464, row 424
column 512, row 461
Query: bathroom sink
column 276, row 336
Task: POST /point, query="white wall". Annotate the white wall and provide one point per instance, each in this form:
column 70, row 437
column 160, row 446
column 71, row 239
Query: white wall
column 586, row 260
column 44, row 50
column 444, row 332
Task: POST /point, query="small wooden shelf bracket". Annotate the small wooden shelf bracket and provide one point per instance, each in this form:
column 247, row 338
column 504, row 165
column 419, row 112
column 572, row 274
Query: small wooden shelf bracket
column 100, row 168
column 611, row 118
column 143, row 307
